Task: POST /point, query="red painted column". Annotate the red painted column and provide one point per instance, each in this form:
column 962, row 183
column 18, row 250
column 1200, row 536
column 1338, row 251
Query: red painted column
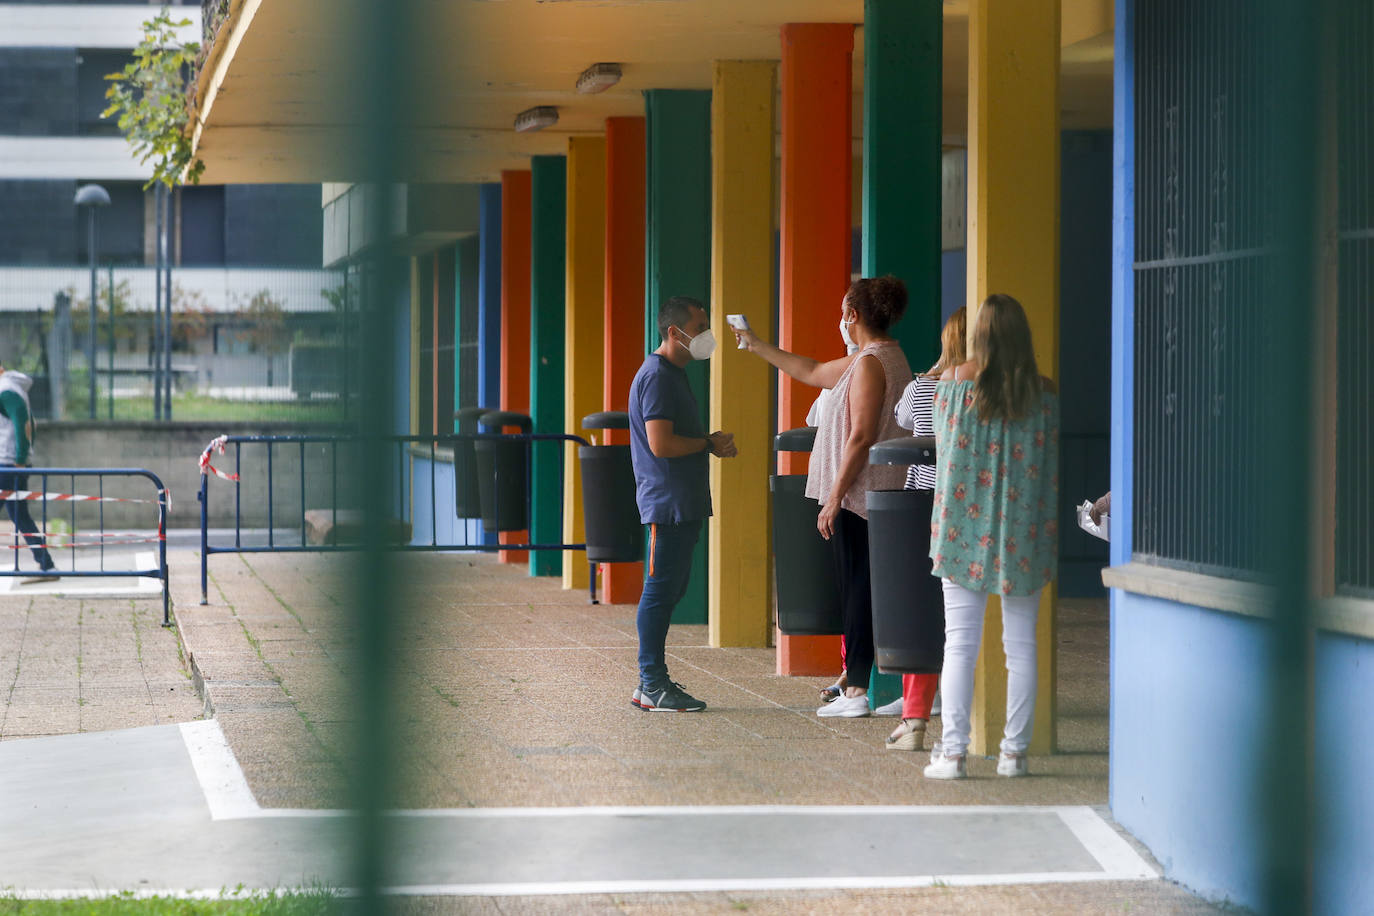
column 815, row 205
column 516, row 193
column 624, row 348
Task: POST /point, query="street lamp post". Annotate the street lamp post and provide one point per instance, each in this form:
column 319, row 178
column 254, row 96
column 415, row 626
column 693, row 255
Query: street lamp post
column 91, row 196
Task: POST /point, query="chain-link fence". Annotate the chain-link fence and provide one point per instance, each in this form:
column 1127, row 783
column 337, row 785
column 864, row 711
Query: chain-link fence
column 246, row 344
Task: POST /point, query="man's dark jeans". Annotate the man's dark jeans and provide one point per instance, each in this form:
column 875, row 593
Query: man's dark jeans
column 19, row 514
column 667, row 574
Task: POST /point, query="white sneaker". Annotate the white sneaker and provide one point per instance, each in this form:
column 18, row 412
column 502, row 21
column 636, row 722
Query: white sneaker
column 935, row 706
column 1012, row 764
column 890, row 709
column 942, row 767
column 845, row 707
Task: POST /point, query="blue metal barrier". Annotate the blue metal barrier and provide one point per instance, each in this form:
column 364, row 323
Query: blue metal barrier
column 428, row 447
column 72, row 499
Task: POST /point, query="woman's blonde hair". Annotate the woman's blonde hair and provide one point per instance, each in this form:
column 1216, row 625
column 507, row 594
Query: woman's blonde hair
column 1008, row 380
column 953, row 343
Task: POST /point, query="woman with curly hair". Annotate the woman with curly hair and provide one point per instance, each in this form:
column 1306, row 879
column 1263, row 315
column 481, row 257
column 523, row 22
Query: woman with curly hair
column 864, row 387
column 994, row 527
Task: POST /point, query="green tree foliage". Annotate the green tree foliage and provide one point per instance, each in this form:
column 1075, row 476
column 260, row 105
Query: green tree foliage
column 150, row 98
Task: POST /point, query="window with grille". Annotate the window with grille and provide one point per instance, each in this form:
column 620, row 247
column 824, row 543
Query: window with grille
column 1201, row 264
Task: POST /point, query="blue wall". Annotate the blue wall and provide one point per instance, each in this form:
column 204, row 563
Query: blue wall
column 1344, row 729
column 1188, row 706
column 1187, row 723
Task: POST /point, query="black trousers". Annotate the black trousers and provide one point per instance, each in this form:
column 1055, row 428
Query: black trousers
column 849, row 547
column 19, row 514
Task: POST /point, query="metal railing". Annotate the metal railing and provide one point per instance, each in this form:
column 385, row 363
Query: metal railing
column 69, row 500
column 426, row 447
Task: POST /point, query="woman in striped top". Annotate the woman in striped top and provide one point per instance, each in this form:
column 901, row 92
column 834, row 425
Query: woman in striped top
column 915, row 412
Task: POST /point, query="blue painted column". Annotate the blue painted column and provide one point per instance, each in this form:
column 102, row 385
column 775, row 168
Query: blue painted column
column 677, row 251
column 1123, row 360
column 548, row 320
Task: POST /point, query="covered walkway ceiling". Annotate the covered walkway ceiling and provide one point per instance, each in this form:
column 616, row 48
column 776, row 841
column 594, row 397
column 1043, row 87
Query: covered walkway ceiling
column 278, row 95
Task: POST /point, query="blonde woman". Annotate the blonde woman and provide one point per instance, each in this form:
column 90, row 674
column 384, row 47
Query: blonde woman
column 994, row 527
column 914, row 412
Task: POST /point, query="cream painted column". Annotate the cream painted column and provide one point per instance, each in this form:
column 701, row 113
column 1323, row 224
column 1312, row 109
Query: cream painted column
column 1013, row 248
column 583, row 345
column 739, row 541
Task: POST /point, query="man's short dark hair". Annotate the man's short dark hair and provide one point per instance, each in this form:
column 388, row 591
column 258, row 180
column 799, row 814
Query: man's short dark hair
column 676, row 311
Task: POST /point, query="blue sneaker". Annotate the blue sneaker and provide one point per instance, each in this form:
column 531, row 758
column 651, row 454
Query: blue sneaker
column 668, row 698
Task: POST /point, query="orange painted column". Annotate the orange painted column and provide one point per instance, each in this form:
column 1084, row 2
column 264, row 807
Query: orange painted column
column 625, row 177
column 516, row 192
column 815, row 216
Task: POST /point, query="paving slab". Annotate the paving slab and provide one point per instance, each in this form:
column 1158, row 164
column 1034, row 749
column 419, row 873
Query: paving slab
column 168, row 808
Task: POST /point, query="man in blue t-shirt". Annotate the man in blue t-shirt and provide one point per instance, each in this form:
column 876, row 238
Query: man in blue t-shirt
column 669, row 445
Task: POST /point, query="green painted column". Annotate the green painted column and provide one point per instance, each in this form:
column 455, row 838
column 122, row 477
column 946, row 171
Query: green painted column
column 903, row 132
column 548, row 260
column 901, row 150
column 677, row 250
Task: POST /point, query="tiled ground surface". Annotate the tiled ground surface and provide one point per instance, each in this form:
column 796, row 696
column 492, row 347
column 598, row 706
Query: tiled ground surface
column 513, row 691
column 1098, row 898
column 71, row 665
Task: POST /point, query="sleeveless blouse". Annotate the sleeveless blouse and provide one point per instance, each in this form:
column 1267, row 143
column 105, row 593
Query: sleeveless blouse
column 994, row 526
column 835, row 423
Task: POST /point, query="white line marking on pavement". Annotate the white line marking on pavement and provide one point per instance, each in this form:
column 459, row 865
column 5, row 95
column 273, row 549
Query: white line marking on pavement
column 229, row 797
column 716, row 885
column 1105, row 845
column 565, row 888
column 218, row 772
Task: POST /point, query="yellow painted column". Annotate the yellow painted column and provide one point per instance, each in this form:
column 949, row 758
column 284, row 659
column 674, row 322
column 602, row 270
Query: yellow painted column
column 739, row 587
column 1013, row 248
column 583, row 344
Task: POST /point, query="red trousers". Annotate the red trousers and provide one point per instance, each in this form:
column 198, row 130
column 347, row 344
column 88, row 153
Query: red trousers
column 918, row 694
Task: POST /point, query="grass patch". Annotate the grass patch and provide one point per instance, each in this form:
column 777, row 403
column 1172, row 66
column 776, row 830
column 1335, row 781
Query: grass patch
column 199, row 407
column 230, row 903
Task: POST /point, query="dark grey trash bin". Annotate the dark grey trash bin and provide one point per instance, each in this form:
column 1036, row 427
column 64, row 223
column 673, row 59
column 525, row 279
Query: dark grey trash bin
column 803, row 565
column 609, row 508
column 503, row 473
column 908, row 603
column 467, row 496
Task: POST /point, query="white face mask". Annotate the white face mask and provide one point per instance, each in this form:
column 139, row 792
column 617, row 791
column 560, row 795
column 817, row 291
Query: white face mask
column 701, row 346
column 849, row 343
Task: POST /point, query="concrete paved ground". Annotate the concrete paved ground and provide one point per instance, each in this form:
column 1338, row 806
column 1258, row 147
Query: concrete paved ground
column 514, row 693
column 90, row 664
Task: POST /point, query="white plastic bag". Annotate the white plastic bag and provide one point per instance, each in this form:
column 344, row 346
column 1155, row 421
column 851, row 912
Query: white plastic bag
column 1085, row 521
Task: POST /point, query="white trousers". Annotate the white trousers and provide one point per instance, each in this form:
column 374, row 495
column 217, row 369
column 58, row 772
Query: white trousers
column 963, row 632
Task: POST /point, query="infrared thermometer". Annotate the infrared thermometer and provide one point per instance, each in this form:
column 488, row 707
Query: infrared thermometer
column 739, row 323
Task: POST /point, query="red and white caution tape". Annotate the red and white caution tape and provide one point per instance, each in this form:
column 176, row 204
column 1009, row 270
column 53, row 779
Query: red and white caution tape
column 81, row 535
column 81, row 543
column 207, row 468
column 16, row 495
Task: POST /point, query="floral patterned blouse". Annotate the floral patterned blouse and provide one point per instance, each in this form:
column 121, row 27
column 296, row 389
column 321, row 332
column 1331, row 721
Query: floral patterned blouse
column 994, row 527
